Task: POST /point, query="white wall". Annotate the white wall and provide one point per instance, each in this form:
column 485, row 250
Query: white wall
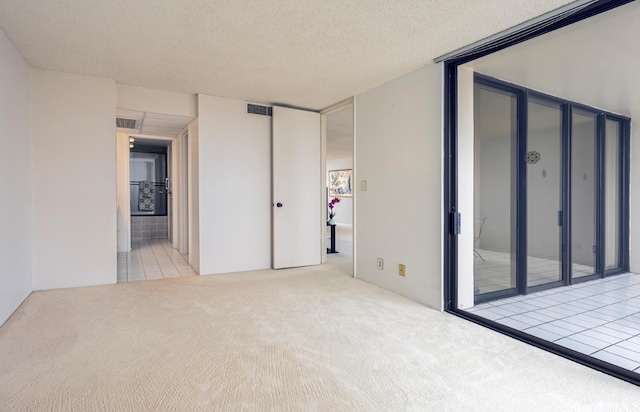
column 156, row 101
column 180, row 191
column 123, row 193
column 235, row 186
column 344, row 209
column 194, row 196
column 399, row 154
column 74, row 180
column 15, row 187
column 466, row 198
column 174, row 198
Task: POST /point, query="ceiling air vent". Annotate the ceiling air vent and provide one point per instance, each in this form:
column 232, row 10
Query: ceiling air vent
column 261, row 110
column 126, row 123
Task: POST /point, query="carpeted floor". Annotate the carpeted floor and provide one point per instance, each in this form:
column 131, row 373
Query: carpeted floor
column 308, row 339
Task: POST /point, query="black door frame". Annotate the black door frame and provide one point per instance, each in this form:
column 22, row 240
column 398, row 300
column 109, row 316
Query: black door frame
column 450, row 182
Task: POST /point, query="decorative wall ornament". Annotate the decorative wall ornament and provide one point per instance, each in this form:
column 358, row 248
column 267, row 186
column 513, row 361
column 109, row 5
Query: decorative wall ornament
column 533, row 157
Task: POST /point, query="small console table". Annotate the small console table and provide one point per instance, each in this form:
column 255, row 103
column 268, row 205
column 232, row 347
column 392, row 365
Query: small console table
column 332, row 249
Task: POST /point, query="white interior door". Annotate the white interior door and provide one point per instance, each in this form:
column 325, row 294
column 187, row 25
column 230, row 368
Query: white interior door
column 297, row 188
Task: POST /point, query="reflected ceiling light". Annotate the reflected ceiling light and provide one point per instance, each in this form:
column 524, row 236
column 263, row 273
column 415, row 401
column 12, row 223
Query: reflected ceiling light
column 130, row 145
column 131, row 139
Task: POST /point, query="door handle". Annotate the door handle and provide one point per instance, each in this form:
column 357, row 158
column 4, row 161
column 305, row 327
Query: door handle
column 279, row 204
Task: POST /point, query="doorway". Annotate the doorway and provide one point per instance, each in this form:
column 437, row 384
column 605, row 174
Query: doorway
column 339, row 190
column 584, row 223
column 548, row 193
column 152, row 186
column 149, row 191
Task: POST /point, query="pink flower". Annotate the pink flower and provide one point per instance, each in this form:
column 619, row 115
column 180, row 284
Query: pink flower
column 332, row 203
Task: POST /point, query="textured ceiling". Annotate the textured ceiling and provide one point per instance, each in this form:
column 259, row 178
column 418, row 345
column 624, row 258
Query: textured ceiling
column 593, row 62
column 304, row 53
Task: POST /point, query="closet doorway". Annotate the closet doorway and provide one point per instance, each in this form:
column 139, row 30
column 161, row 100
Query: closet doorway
column 339, row 190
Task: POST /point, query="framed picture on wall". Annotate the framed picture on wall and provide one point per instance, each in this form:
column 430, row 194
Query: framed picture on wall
column 340, row 183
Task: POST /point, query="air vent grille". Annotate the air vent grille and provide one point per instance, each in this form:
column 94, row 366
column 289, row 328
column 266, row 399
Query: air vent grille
column 126, row 123
column 257, row 109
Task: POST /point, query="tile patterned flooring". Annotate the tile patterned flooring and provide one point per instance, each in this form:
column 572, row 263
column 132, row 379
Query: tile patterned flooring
column 152, row 259
column 600, row 318
column 494, row 273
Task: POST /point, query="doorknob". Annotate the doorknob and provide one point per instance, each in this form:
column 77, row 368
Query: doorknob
column 279, row 204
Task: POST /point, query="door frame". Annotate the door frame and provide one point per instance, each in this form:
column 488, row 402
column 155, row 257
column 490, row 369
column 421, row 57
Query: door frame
column 354, row 190
column 173, row 163
column 180, row 191
column 528, row 30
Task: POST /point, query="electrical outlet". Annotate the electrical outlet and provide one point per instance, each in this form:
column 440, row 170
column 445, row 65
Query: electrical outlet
column 380, row 264
column 402, row 270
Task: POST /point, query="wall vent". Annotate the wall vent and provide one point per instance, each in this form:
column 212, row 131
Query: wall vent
column 257, row 109
column 126, row 123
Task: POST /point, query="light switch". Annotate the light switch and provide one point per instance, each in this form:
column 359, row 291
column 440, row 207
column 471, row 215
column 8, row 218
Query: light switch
column 363, row 185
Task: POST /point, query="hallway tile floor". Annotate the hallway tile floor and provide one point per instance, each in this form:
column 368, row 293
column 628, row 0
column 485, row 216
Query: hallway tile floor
column 152, row 259
column 600, row 318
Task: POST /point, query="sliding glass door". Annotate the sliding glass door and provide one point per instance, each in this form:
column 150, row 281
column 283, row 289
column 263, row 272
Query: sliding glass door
column 544, row 188
column 613, row 194
column 549, row 191
column 584, row 178
column 495, row 138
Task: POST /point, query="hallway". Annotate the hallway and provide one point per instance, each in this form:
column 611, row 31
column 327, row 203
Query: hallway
column 152, row 259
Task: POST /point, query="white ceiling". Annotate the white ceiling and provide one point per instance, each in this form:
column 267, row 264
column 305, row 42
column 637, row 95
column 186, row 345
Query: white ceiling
column 304, row 53
column 595, row 62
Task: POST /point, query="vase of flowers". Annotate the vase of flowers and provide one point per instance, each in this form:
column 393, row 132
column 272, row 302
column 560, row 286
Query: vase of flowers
column 332, row 213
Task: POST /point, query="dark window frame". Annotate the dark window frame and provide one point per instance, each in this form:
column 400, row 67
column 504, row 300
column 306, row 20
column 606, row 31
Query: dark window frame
column 450, row 184
column 519, row 170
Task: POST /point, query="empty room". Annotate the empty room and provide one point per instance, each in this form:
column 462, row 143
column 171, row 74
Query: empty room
column 287, row 205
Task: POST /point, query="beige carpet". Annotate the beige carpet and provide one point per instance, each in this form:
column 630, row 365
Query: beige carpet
column 310, row 339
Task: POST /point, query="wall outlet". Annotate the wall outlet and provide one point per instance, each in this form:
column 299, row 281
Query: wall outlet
column 380, row 264
column 402, row 270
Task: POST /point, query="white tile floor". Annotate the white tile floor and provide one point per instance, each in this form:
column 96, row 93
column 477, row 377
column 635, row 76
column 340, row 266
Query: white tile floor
column 152, row 259
column 494, row 272
column 600, row 318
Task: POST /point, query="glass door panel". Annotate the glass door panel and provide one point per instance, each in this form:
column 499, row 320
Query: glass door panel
column 583, row 193
column 544, row 193
column 612, row 191
column 494, row 190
